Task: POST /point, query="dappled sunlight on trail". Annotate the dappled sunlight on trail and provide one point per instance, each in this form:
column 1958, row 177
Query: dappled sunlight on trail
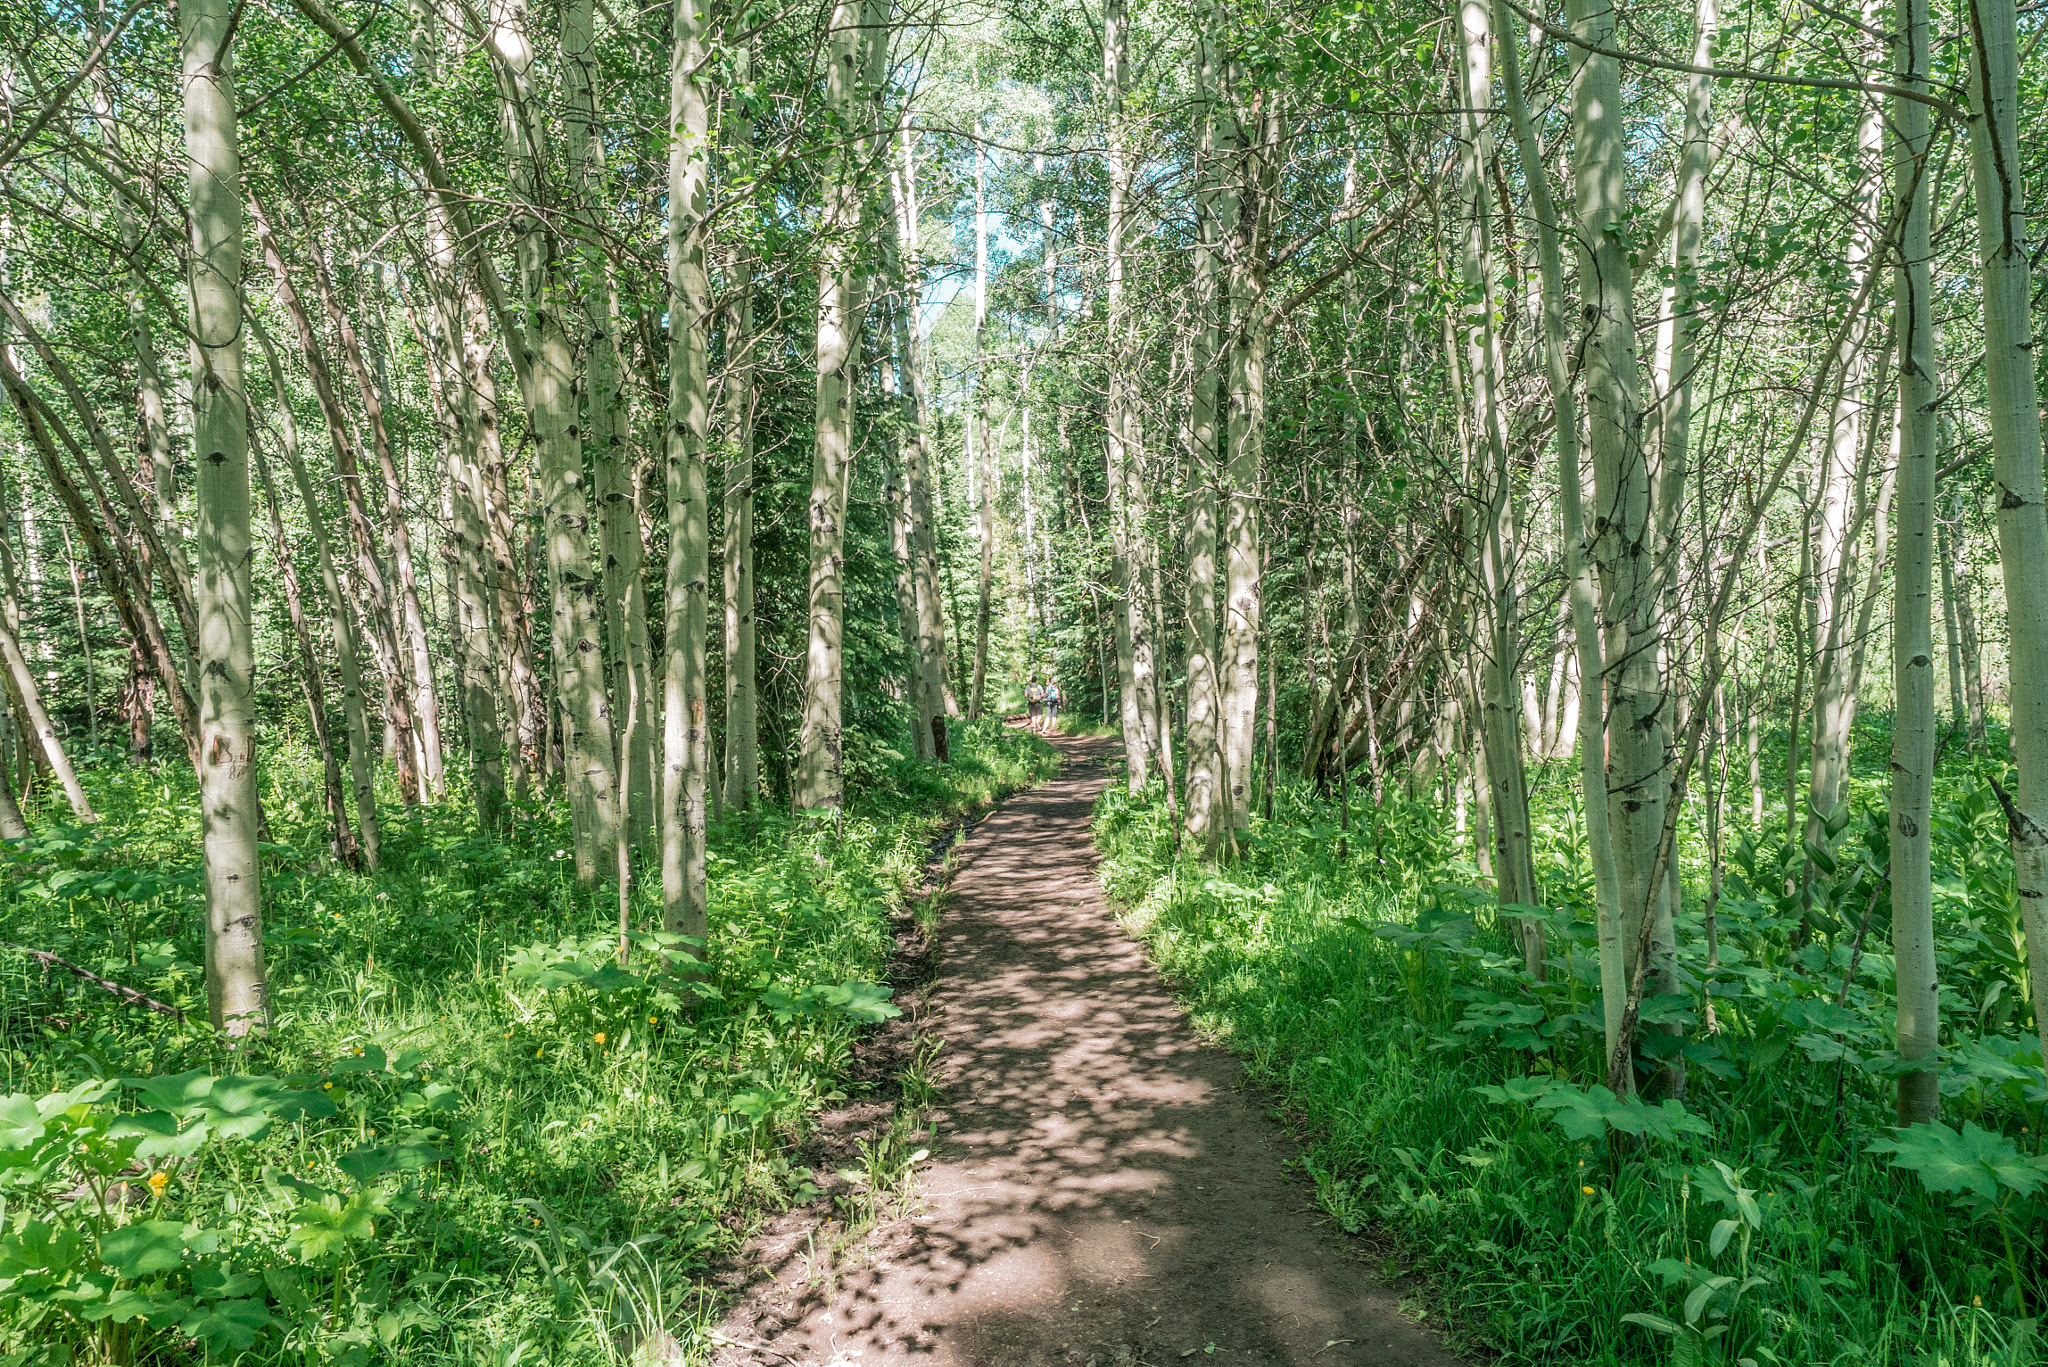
column 1102, row 1191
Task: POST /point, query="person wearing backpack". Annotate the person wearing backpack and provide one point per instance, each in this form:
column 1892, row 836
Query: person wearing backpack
column 1052, row 704
column 1034, row 703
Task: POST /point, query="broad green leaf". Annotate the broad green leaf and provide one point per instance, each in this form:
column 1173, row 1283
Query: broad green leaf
column 144, row 1248
column 1974, row 1160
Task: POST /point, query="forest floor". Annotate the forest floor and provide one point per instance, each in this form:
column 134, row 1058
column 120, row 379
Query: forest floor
column 1102, row 1191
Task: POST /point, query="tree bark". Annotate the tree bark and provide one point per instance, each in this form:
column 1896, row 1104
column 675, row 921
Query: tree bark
column 1912, row 795
column 362, row 759
column 685, row 728
column 609, row 426
column 2014, row 410
column 1844, row 491
column 1581, row 589
column 917, row 467
column 742, row 693
column 984, row 457
column 856, row 39
column 1253, row 155
column 1500, row 711
column 375, row 603
column 343, row 838
column 1208, row 806
column 408, row 622
column 589, row 760
column 47, row 740
column 237, row 991
column 470, row 567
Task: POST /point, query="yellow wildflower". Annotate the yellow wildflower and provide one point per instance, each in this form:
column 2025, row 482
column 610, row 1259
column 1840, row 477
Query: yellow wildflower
column 599, row 1037
column 326, row 1086
column 157, row 1182
column 1587, row 1190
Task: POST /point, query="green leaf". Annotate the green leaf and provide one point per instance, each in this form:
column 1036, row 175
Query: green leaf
column 145, row 1248
column 1654, row 1322
column 1591, row 1113
column 1520, row 1091
column 228, row 1326
column 330, row 1224
column 179, row 1092
column 367, row 1162
column 1974, row 1161
column 21, row 1123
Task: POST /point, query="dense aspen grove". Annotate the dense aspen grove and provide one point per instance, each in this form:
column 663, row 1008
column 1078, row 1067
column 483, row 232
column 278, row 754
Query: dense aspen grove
column 524, row 521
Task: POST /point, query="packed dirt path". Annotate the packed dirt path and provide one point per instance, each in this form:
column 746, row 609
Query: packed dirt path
column 1101, row 1191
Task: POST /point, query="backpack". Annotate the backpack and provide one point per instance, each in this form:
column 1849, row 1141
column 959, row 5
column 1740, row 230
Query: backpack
column 1034, row 693
column 1052, row 692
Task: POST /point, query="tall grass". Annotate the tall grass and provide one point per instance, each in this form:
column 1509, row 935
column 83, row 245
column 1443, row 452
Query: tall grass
column 1368, row 979
column 540, row 1152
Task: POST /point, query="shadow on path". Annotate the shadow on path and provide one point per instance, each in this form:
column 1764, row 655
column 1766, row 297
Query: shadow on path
column 1102, row 1191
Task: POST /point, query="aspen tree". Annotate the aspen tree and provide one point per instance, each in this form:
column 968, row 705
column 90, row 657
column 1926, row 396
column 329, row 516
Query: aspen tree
column 607, row 424
column 685, row 711
column 1250, row 143
column 1500, row 717
column 469, row 439
column 1912, row 793
column 108, row 550
column 1636, row 744
column 820, row 778
column 407, row 621
column 927, row 704
column 237, row 991
column 983, row 457
column 154, row 435
column 342, row 840
column 341, row 624
column 855, row 48
column 2014, row 410
column 548, row 377
column 1842, row 491
column 1945, row 558
column 742, row 699
column 376, row 598
column 918, row 461
column 1208, row 812
column 1122, row 440
column 22, row 683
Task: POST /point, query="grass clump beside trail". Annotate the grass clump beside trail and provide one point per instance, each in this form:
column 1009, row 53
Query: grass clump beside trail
column 472, row 1136
column 1773, row 1216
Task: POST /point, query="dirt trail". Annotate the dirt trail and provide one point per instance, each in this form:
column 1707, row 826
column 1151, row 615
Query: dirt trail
column 1102, row 1192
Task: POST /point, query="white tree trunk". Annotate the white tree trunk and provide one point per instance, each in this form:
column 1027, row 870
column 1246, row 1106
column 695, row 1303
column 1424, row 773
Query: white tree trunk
column 1843, row 490
column 583, row 712
column 237, row 990
column 608, row 421
column 685, row 710
column 2014, row 410
column 1255, row 163
column 1912, row 794
column 1208, row 813
column 1500, row 697
column 857, row 39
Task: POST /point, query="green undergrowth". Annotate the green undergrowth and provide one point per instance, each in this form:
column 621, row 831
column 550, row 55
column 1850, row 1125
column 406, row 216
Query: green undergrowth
column 1774, row 1215
column 472, row 1136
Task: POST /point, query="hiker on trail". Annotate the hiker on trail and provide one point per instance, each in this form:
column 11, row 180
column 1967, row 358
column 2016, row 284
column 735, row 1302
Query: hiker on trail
column 1052, row 704
column 1034, row 701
